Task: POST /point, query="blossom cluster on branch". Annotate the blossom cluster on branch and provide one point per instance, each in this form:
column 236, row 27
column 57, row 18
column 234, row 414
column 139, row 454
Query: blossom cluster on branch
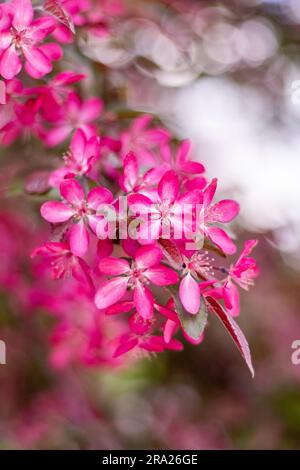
column 133, row 219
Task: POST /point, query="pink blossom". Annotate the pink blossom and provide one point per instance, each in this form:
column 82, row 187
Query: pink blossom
column 144, row 141
column 144, row 269
column 76, row 114
column 130, row 178
column 81, row 211
column 24, row 37
column 243, row 273
column 78, row 160
column 83, row 339
column 55, row 93
column 222, row 212
column 24, row 121
column 63, row 263
column 166, row 214
column 6, row 13
column 11, row 91
column 180, row 163
column 141, row 337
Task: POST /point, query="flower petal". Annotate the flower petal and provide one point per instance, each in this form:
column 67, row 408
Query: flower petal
column 143, row 300
column 248, row 247
column 231, row 298
column 56, row 212
column 78, row 143
column 169, row 330
column 79, row 239
column 168, row 187
column 161, row 275
column 57, row 135
column 99, row 196
column 37, row 59
column 52, row 51
column 183, row 151
column 192, row 168
column 23, row 13
column 209, row 192
column 224, row 211
column 91, row 109
column 130, row 174
column 189, row 293
column 5, row 40
column 221, row 240
column 147, row 256
column 140, row 204
column 127, row 342
column 110, row 292
column 104, row 248
column 10, row 64
column 71, row 190
column 113, row 266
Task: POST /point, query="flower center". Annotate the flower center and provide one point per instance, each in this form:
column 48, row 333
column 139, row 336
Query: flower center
column 136, row 275
column 20, row 38
column 164, row 209
column 201, row 263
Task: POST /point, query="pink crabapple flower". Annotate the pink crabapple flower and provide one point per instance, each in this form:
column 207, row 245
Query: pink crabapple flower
column 5, row 16
column 12, row 90
column 63, row 263
column 187, row 170
column 84, row 342
column 80, row 211
column 55, row 93
column 144, row 141
column 131, row 181
column 76, row 114
column 24, row 121
column 145, row 268
column 157, row 199
column 222, row 212
column 179, row 162
column 166, row 213
column 23, row 37
column 243, row 273
column 79, row 160
column 141, row 337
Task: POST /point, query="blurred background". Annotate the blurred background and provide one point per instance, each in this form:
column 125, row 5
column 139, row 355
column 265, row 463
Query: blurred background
column 225, row 74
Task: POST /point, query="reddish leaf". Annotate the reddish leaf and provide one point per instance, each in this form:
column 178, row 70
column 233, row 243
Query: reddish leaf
column 234, row 331
column 55, row 9
column 171, row 252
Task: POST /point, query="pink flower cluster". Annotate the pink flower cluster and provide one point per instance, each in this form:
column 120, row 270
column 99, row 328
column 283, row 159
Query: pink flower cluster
column 150, row 262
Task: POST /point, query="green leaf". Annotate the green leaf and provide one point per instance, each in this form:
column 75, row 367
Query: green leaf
column 193, row 325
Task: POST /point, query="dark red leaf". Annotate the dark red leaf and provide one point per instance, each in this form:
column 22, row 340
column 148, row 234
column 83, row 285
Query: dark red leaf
column 55, row 9
column 171, row 252
column 233, row 329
